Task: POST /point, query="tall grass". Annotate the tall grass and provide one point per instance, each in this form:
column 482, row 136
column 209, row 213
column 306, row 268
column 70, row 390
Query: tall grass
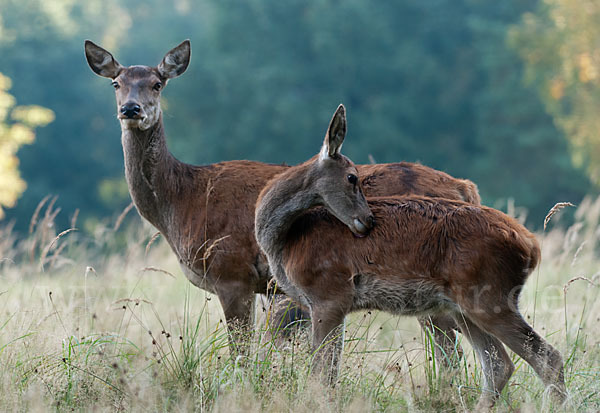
column 107, row 322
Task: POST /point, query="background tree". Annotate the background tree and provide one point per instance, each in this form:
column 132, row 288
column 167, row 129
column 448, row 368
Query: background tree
column 560, row 42
column 431, row 81
column 17, row 125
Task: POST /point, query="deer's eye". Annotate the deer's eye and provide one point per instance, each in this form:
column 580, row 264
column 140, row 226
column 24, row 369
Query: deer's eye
column 115, row 84
column 353, row 179
column 157, row 86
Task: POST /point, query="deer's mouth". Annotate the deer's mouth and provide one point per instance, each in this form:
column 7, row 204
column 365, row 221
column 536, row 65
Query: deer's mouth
column 124, row 117
column 131, row 123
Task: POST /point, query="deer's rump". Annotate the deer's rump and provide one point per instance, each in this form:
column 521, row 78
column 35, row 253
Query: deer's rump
column 450, row 244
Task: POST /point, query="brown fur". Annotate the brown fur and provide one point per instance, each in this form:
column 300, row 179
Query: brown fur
column 422, row 256
column 206, row 213
column 448, row 244
column 411, row 178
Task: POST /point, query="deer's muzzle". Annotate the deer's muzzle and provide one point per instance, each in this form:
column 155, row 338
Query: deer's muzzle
column 130, row 110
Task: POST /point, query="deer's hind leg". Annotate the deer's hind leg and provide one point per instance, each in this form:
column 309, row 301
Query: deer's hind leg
column 496, row 365
column 513, row 330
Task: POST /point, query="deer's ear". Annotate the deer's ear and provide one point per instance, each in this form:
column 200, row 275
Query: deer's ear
column 101, row 61
column 336, row 132
column 176, row 60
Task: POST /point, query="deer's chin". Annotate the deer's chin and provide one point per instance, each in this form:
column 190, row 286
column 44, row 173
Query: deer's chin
column 131, row 123
column 143, row 123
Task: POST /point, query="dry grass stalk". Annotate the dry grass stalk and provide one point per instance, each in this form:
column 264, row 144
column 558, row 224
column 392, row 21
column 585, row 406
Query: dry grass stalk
column 272, row 285
column 122, row 216
column 576, row 255
column 50, row 215
column 135, row 301
column 50, row 206
column 149, row 244
column 49, row 247
column 36, row 213
column 74, row 218
column 572, row 280
column 208, row 252
column 32, row 224
column 213, row 246
column 54, row 257
column 90, row 270
column 156, row 269
column 65, row 232
column 47, row 223
column 557, row 207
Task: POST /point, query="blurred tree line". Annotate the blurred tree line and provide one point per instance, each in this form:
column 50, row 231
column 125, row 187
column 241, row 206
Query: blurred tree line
column 17, row 124
column 432, row 81
column 560, row 42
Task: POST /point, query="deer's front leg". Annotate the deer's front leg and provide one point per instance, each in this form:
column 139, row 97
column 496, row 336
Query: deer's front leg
column 238, row 305
column 444, row 328
column 285, row 318
column 328, row 341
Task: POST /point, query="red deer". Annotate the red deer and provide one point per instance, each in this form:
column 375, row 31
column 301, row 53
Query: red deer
column 206, row 213
column 407, row 255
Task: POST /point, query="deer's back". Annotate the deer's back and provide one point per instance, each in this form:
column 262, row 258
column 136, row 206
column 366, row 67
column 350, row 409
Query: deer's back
column 412, row 178
column 447, row 245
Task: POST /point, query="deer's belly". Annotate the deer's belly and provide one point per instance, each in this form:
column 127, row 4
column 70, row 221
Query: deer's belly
column 402, row 297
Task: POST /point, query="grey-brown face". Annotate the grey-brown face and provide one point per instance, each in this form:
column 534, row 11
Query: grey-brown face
column 137, row 90
column 337, row 181
column 341, row 193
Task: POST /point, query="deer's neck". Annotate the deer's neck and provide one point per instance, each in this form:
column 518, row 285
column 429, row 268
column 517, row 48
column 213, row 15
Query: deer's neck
column 280, row 204
column 149, row 171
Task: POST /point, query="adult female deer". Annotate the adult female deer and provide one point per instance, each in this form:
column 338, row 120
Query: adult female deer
column 206, row 213
column 422, row 256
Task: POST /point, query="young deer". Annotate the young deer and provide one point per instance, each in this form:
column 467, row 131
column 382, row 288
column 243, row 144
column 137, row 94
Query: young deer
column 422, row 256
column 206, row 213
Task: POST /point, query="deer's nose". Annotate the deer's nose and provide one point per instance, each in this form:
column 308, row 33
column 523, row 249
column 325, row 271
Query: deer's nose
column 130, row 110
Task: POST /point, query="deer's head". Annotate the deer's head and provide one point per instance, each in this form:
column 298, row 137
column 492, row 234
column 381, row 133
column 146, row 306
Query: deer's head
column 336, row 180
column 138, row 88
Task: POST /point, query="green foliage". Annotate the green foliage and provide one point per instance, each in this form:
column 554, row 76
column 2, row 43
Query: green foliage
column 559, row 43
column 423, row 81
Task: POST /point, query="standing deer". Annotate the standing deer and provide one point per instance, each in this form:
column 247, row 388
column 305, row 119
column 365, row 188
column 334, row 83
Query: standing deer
column 206, row 213
column 422, row 256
